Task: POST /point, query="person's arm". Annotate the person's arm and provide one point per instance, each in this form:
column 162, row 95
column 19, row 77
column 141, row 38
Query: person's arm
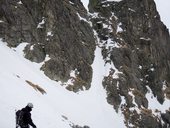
column 30, row 121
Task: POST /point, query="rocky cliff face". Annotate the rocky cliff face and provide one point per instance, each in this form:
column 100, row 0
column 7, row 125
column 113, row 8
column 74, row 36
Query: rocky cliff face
column 133, row 40
column 52, row 29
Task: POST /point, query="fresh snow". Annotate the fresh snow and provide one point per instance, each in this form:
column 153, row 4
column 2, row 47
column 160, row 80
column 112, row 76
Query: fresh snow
column 20, row 2
column 163, row 8
column 85, row 3
column 41, row 23
column 85, row 108
column 49, row 33
column 81, row 18
column 71, row 2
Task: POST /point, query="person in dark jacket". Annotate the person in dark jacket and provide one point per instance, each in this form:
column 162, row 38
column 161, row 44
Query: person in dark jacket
column 27, row 116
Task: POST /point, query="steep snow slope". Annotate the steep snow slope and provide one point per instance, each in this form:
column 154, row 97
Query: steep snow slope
column 86, row 108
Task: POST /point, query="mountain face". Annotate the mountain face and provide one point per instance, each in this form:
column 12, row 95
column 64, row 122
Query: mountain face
column 54, row 29
column 132, row 38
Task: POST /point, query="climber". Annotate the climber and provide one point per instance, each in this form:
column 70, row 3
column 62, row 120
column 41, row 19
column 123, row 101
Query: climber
column 23, row 117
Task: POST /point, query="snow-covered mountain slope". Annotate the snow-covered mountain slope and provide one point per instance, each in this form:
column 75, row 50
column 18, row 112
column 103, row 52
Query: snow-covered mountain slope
column 22, row 81
column 58, row 108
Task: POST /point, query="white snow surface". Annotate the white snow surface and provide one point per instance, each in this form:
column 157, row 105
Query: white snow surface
column 85, row 108
column 85, row 3
column 163, row 7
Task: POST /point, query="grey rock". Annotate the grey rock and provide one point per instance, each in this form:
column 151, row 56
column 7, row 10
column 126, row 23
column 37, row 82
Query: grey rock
column 166, row 118
column 35, row 53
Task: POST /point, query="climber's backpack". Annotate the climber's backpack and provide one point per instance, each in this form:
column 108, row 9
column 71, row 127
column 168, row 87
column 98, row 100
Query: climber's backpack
column 19, row 118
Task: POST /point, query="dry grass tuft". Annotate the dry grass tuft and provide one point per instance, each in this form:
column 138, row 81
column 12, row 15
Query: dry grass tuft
column 36, row 87
column 146, row 111
column 137, row 93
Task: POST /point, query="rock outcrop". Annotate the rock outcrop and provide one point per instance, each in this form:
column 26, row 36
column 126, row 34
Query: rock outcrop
column 54, row 29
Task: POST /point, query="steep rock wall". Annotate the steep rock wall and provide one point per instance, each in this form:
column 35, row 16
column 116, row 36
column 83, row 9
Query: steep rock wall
column 52, row 29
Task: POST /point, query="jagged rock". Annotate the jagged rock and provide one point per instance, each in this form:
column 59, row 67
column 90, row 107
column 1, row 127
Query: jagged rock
column 57, row 69
column 144, row 119
column 113, row 97
column 35, row 53
column 147, row 121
